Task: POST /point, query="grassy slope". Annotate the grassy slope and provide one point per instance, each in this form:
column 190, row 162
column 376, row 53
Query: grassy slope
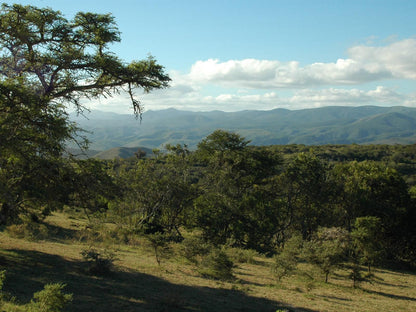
column 138, row 284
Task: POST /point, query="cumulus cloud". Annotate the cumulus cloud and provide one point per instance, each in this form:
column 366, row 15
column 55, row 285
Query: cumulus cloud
column 348, row 97
column 365, row 64
column 266, row 84
column 398, row 59
column 302, row 98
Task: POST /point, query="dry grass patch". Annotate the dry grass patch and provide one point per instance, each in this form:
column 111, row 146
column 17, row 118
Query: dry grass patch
column 138, row 283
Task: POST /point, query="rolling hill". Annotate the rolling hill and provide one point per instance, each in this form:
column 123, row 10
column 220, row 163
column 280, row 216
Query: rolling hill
column 327, row 125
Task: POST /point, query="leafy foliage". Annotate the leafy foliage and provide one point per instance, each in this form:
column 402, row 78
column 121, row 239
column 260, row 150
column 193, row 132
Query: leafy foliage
column 285, row 262
column 256, row 198
column 367, row 239
column 48, row 63
column 50, row 299
column 99, row 263
column 327, row 249
column 217, row 265
column 160, row 245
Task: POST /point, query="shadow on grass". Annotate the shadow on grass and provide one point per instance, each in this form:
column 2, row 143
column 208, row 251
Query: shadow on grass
column 59, row 234
column 380, row 293
column 28, row 271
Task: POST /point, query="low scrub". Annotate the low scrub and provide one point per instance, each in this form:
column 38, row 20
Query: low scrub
column 50, row 299
column 28, row 230
column 217, row 265
column 194, row 248
column 98, row 262
column 239, row 255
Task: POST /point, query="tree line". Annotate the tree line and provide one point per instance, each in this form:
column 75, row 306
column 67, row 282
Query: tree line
column 258, row 198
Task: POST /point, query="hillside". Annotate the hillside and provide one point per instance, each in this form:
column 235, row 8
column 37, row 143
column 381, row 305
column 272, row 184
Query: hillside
column 327, row 125
column 138, row 283
column 121, row 152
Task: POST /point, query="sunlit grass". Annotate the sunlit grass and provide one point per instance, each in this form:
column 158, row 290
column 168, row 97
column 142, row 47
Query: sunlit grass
column 138, row 283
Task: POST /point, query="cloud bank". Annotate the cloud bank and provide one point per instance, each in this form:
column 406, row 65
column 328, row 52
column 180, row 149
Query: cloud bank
column 234, row 85
column 365, row 64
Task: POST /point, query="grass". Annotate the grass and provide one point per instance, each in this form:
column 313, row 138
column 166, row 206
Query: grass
column 138, row 283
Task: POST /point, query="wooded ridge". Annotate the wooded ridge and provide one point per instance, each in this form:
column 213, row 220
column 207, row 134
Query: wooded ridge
column 326, row 125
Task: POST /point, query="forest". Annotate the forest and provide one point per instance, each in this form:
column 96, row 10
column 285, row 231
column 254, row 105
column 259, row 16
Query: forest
column 114, row 232
column 258, row 198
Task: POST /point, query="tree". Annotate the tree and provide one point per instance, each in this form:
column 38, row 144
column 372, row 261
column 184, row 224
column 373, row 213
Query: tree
column 367, row 239
column 370, row 189
column 157, row 193
column 327, row 249
column 50, row 299
column 305, row 188
column 47, row 64
column 230, row 206
column 286, row 261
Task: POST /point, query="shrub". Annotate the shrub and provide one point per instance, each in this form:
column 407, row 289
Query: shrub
column 2, row 279
column 327, row 249
column 50, row 299
column 29, row 230
column 285, row 263
column 94, row 231
column 217, row 265
column 99, row 263
column 239, row 255
column 159, row 242
column 194, row 247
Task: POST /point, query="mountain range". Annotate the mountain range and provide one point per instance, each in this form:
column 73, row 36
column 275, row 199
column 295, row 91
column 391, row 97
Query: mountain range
column 317, row 126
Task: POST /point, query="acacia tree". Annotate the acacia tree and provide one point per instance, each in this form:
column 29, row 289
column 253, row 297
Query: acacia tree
column 367, row 238
column 157, row 193
column 304, row 188
column 327, row 249
column 231, row 205
column 48, row 63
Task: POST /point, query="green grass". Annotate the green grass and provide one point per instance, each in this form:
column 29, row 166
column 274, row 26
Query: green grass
column 137, row 283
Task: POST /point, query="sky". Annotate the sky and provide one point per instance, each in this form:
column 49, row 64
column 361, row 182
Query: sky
column 233, row 55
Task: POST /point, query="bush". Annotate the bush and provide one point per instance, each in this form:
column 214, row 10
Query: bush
column 99, row 263
column 2, row 279
column 94, row 231
column 160, row 245
column 193, row 248
column 217, row 265
column 327, row 249
column 239, row 255
column 29, row 230
column 50, row 299
column 285, row 263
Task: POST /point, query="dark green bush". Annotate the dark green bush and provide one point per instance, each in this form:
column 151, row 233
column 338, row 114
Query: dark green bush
column 29, row 230
column 193, row 248
column 99, row 263
column 239, row 255
column 50, row 299
column 217, row 265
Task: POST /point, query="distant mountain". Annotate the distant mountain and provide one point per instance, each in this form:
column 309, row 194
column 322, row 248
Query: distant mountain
column 122, row 152
column 327, row 125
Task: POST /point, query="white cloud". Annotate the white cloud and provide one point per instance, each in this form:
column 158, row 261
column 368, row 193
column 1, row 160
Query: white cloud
column 346, row 97
column 303, row 98
column 265, row 84
column 398, row 58
column 366, row 64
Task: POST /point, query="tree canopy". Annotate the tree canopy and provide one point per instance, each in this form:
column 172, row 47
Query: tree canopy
column 47, row 64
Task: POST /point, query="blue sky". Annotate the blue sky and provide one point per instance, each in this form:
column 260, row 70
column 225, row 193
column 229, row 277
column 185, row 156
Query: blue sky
column 236, row 55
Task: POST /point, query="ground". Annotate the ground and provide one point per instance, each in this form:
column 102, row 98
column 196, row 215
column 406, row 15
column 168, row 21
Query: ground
column 138, row 283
